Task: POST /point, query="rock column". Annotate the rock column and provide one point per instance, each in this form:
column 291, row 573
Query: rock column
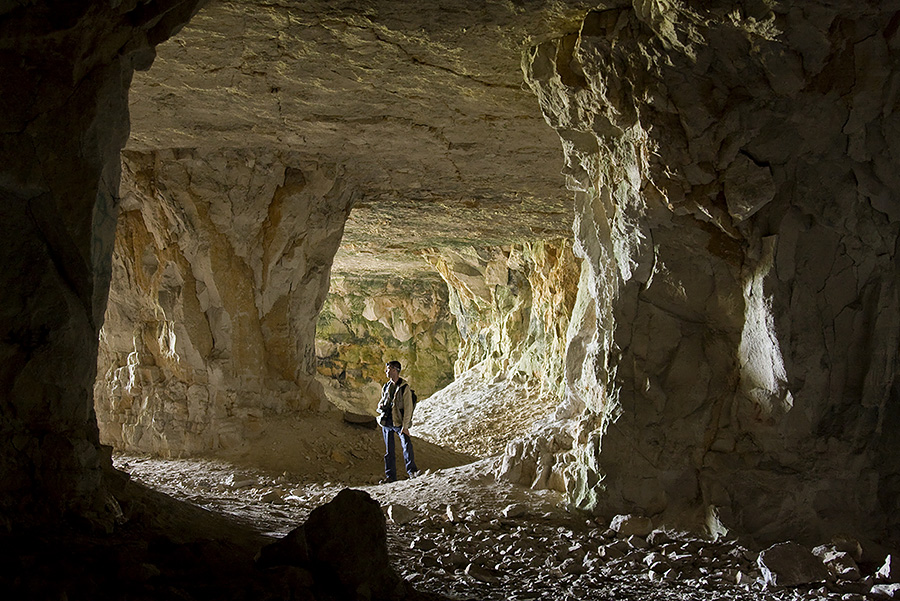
column 222, row 263
column 735, row 340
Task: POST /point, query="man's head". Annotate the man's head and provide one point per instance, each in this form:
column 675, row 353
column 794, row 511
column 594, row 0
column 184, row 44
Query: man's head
column 392, row 369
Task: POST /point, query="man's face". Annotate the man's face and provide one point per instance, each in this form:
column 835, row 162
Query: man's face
column 392, row 372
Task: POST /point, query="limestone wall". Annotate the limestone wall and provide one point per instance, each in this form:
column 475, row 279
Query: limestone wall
column 512, row 307
column 367, row 321
column 734, row 344
column 221, row 264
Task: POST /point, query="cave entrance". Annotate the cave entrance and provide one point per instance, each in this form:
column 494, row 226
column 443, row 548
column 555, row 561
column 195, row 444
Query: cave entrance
column 456, row 255
column 221, row 260
column 223, row 255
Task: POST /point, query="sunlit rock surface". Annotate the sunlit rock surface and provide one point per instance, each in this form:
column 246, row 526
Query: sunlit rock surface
column 221, row 265
column 367, row 321
column 737, row 206
column 503, row 309
column 730, row 332
column 512, row 307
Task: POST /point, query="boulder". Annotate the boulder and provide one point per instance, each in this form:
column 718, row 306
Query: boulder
column 790, row 564
column 344, row 544
column 889, row 570
column 288, row 551
column 631, row 525
column 347, row 539
column 841, row 565
column 515, row 510
column 481, row 574
column 359, row 419
column 454, row 514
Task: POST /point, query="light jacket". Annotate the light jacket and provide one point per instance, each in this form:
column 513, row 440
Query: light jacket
column 401, row 406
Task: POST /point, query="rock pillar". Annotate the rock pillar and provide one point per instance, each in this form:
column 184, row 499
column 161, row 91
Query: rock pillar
column 222, row 264
column 735, row 339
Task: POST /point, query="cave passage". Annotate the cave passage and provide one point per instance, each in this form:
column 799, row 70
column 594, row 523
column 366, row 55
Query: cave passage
column 265, row 276
column 696, row 320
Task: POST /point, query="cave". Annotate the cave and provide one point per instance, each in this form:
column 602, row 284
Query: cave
column 642, row 254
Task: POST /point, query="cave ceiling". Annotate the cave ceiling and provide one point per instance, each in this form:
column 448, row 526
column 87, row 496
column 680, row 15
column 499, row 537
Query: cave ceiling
column 422, row 105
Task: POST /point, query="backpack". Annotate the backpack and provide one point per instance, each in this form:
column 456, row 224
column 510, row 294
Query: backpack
column 415, row 398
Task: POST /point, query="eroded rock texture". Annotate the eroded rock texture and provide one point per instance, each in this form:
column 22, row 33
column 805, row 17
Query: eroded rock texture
column 424, row 105
column 426, row 113
column 730, row 353
column 221, row 266
column 737, row 206
column 367, row 321
column 512, row 307
column 501, row 311
column 64, row 120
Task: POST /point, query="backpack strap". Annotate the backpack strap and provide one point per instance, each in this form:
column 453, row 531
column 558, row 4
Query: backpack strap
column 400, row 390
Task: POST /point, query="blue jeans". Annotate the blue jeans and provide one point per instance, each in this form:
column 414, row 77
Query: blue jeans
column 390, row 462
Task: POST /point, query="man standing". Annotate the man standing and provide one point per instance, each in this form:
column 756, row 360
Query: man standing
column 395, row 415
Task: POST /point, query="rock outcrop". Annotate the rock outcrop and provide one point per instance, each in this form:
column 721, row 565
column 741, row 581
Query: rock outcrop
column 736, row 332
column 512, row 307
column 221, row 266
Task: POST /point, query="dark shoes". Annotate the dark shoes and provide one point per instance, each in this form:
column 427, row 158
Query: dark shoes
column 411, row 475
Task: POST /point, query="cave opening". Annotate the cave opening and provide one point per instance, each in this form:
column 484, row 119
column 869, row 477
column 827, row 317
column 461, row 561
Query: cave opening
column 220, row 347
column 219, row 328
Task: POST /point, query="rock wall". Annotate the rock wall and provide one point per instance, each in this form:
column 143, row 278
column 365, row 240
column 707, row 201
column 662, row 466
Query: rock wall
column 734, row 344
column 512, row 307
column 64, row 119
column 221, row 265
column 367, row 321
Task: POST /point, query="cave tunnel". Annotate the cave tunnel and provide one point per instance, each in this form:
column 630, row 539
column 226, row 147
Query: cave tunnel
column 695, row 322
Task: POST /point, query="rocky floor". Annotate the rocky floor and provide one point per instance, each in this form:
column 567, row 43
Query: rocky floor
column 457, row 532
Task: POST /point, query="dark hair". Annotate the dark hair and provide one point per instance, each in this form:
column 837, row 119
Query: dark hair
column 394, row 364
